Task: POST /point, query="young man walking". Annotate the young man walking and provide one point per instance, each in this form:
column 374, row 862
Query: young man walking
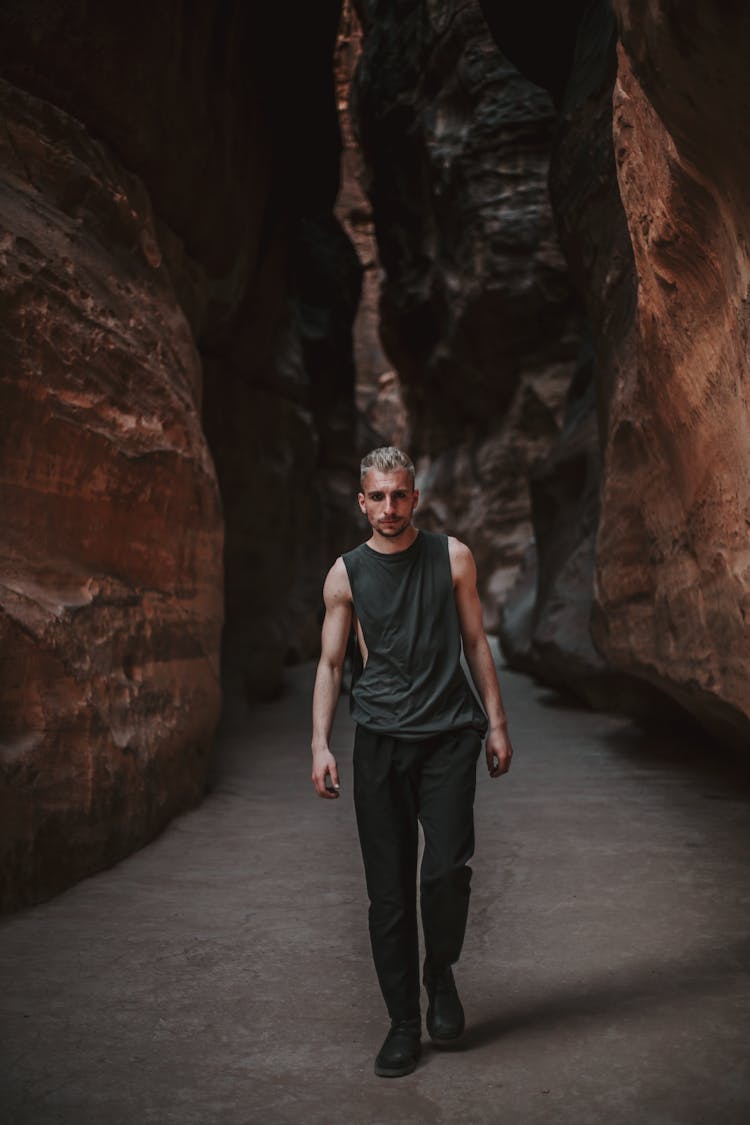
column 412, row 599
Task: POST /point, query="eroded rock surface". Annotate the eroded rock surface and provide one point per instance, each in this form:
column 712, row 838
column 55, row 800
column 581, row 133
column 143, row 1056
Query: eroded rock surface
column 546, row 621
column 173, row 266
column 673, row 567
column 478, row 314
column 111, row 542
column 659, row 254
column 377, row 384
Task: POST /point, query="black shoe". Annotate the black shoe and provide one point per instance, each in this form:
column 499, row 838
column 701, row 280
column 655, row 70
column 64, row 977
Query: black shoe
column 400, row 1051
column 445, row 1014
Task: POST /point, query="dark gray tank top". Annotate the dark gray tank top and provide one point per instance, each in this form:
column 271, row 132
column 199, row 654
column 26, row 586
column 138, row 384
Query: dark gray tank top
column 413, row 684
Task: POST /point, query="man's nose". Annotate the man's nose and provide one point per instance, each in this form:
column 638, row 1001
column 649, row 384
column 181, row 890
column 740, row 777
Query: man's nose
column 388, row 504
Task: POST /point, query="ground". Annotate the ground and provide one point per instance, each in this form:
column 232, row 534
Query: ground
column 221, row 976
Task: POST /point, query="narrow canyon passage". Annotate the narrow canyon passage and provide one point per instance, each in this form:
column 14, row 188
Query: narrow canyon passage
column 245, row 249
column 221, row 976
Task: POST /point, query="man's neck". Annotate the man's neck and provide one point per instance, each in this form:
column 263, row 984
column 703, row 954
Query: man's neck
column 393, row 544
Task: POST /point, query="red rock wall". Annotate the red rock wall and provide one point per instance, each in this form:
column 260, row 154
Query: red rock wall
column 172, row 266
column 648, row 184
column 672, row 575
column 111, row 542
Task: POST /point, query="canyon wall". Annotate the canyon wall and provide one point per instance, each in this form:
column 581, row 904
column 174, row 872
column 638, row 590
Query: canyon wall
column 546, row 620
column 647, row 182
column 177, row 401
column 672, row 560
column 180, row 429
column 110, row 591
column 633, row 585
column 377, row 385
column 477, row 311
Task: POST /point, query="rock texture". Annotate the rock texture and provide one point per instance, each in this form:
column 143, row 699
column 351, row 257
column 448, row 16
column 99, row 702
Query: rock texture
column 377, row 384
column 546, row 621
column 177, row 305
column 478, row 315
column 110, row 571
column 673, row 566
column 659, row 254
column 633, row 591
column 280, row 413
column 173, row 267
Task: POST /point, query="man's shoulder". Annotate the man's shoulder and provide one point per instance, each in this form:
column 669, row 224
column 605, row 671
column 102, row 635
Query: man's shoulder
column 434, row 541
column 336, row 586
column 461, row 559
column 456, row 548
column 352, row 562
column 353, row 553
column 441, row 537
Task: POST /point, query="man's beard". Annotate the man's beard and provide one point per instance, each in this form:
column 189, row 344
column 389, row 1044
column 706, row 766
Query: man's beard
column 394, row 534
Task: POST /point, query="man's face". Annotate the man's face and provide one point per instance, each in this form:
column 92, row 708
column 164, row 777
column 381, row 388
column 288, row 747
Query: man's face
column 388, row 500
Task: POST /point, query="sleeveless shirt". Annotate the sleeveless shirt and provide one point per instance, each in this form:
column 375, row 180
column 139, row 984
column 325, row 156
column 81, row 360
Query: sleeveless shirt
column 413, row 684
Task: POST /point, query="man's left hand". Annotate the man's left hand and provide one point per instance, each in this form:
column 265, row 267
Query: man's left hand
column 498, row 751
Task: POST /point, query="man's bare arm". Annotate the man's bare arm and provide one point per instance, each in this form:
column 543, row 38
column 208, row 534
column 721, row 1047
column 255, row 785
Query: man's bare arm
column 498, row 747
column 336, row 628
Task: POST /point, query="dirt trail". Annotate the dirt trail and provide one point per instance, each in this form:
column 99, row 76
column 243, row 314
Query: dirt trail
column 222, row 975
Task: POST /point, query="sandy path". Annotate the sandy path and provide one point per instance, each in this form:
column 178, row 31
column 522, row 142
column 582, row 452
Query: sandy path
column 222, row 976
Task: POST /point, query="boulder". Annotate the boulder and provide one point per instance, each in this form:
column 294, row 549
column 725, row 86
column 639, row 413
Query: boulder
column 110, row 574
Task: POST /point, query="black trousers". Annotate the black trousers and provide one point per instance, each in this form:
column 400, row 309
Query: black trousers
column 398, row 782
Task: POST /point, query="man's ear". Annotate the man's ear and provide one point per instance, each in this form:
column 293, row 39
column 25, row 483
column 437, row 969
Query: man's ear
column 361, row 500
column 416, row 500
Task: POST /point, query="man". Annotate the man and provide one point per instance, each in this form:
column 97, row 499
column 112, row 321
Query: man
column 412, row 599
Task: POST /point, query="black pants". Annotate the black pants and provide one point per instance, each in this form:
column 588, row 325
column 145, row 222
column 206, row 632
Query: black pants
column 397, row 782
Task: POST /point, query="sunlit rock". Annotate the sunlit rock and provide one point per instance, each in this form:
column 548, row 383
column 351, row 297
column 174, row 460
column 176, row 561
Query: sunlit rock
column 673, row 565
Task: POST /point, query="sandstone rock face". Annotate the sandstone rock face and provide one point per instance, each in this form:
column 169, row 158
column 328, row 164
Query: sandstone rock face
column 673, row 568
column 170, row 239
column 110, row 572
column 172, row 268
column 228, row 115
column 478, row 315
column 659, row 255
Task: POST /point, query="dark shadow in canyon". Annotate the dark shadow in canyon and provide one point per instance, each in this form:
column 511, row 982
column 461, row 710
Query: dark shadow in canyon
column 607, row 996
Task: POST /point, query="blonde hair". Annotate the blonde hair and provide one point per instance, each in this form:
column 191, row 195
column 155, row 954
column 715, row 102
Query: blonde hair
column 386, row 459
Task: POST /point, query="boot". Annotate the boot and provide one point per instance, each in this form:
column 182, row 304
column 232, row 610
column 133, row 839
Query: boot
column 445, row 1014
column 400, row 1051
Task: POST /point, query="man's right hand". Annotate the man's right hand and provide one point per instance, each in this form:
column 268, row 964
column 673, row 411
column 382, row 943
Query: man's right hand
column 324, row 764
